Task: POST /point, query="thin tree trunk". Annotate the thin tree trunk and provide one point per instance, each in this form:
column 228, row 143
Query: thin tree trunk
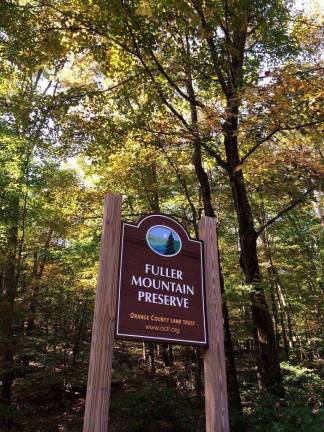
column 151, row 357
column 197, row 360
column 38, row 270
column 280, row 312
column 79, row 330
column 7, row 302
column 154, row 204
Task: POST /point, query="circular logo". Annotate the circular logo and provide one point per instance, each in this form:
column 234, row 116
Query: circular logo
column 163, row 240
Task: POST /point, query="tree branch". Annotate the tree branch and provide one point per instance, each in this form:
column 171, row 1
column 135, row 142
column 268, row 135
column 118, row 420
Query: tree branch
column 257, row 145
column 173, row 84
column 214, row 154
column 149, row 72
column 212, row 47
column 274, row 131
column 68, row 97
column 86, row 24
column 285, row 210
column 183, row 183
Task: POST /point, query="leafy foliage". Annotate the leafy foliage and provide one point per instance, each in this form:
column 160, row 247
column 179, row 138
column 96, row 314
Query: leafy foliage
column 135, row 97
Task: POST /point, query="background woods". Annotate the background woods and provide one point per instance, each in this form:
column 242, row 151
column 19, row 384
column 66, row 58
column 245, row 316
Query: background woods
column 187, row 108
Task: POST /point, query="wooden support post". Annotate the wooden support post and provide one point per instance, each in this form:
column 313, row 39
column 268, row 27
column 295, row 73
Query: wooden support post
column 99, row 378
column 214, row 358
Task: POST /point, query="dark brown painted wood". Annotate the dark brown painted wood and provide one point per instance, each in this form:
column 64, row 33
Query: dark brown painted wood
column 160, row 322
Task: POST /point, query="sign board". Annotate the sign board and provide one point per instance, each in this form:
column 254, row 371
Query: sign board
column 161, row 283
column 160, row 297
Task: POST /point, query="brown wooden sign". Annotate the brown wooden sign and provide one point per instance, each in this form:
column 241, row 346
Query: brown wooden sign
column 161, row 283
column 161, row 297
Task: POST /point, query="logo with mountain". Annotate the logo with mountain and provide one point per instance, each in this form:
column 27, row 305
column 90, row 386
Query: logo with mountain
column 163, row 240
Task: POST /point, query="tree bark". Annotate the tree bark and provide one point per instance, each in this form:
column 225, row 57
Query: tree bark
column 7, row 302
column 38, row 270
column 267, row 353
column 280, row 312
column 235, row 404
column 230, row 76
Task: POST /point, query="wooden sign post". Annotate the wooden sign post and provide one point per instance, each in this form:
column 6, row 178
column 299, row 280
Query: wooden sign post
column 214, row 359
column 161, row 297
column 99, row 377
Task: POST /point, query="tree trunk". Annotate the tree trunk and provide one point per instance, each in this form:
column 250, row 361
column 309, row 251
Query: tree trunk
column 7, row 301
column 267, row 353
column 280, row 312
column 38, row 270
column 234, row 399
column 230, row 76
column 198, row 369
column 151, row 357
column 165, row 354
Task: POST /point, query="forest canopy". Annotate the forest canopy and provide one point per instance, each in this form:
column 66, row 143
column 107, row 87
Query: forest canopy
column 185, row 107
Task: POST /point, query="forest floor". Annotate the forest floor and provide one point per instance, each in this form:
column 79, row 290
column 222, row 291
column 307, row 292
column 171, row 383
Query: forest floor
column 53, row 401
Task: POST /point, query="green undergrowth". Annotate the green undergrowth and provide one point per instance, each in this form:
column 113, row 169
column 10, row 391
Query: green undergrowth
column 302, row 409
column 141, row 402
column 154, row 406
